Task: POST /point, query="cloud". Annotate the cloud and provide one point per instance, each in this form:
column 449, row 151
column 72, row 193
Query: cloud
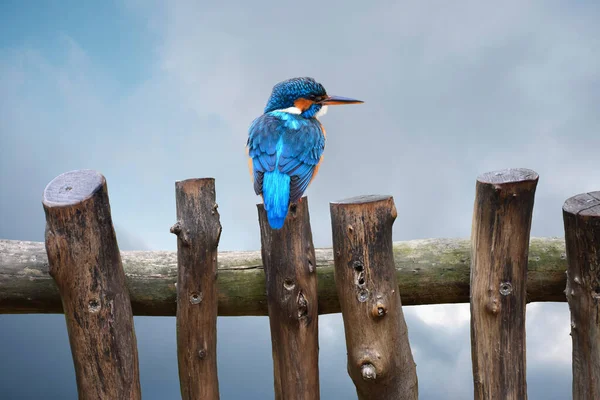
column 456, row 92
column 450, row 91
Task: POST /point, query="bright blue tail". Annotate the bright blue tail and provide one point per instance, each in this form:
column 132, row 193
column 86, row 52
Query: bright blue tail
column 276, row 196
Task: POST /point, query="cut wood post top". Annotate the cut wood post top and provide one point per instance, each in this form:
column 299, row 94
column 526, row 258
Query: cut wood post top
column 72, row 188
column 197, row 211
column 510, row 175
column 195, row 181
column 379, row 209
column 363, row 199
column 584, row 204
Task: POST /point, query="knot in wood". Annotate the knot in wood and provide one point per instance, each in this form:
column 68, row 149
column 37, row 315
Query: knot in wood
column 360, row 279
column 196, row 298
column 176, row 228
column 202, row 354
column 311, row 267
column 293, row 209
column 393, row 211
column 363, row 295
column 182, row 234
column 379, row 310
column 506, row 288
column 493, row 307
column 289, row 284
column 94, row 306
column 368, row 372
column 302, row 306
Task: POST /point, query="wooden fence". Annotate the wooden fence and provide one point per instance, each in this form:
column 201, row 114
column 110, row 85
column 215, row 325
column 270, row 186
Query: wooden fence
column 365, row 276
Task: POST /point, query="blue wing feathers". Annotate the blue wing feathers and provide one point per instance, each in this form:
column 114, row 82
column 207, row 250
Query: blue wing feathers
column 285, row 149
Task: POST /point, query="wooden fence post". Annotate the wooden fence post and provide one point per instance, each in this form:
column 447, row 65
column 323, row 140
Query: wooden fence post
column 290, row 268
column 581, row 215
column 86, row 264
column 198, row 231
column 380, row 361
column 499, row 245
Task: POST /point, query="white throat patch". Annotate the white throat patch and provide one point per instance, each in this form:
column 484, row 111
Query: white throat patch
column 321, row 112
column 297, row 111
column 291, row 110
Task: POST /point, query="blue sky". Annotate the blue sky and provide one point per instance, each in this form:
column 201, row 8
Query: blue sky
column 116, row 41
column 150, row 92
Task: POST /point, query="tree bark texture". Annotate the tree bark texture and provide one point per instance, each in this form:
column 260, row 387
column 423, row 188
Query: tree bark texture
column 380, row 361
column 428, row 271
column 85, row 262
column 581, row 215
column 291, row 282
column 198, row 230
column 500, row 242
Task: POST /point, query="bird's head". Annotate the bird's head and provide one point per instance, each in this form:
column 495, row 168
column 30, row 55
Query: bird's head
column 303, row 96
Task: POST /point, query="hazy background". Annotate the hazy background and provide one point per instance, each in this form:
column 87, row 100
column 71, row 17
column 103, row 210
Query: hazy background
column 150, row 92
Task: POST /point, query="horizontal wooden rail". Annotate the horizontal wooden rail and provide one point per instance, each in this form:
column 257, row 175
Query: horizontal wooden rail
column 429, row 271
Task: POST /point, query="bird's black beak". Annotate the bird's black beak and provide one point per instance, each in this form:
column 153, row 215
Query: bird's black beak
column 339, row 100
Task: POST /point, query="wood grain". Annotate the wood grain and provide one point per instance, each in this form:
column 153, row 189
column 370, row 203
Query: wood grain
column 84, row 261
column 428, row 271
column 380, row 361
column 581, row 216
column 291, row 281
column 198, row 231
column 500, row 242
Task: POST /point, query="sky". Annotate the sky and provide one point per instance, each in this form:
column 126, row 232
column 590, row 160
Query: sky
column 151, row 92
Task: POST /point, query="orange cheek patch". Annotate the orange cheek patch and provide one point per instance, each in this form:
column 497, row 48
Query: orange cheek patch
column 303, row 104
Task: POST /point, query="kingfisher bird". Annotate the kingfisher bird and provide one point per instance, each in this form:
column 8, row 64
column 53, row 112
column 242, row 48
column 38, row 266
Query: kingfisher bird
column 285, row 144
